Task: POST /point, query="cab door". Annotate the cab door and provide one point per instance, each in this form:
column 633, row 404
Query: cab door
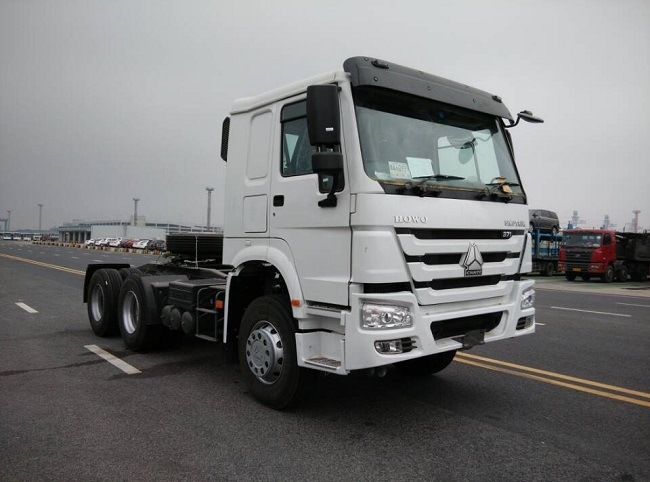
column 318, row 238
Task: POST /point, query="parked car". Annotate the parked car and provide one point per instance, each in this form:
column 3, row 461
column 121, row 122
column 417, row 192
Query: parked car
column 142, row 244
column 115, row 242
column 157, row 245
column 89, row 242
column 127, row 243
column 99, row 241
column 545, row 221
column 7, row 237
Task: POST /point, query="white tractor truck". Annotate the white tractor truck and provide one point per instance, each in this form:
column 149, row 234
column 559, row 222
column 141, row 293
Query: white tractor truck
column 374, row 216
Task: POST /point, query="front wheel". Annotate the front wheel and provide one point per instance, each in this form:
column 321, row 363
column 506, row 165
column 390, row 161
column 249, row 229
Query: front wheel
column 608, row 276
column 427, row 365
column 570, row 276
column 267, row 352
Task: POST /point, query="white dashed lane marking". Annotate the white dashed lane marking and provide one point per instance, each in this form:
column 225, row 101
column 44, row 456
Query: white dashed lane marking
column 27, row 308
column 113, row 360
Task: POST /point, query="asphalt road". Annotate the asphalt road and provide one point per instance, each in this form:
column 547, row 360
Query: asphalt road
column 571, row 402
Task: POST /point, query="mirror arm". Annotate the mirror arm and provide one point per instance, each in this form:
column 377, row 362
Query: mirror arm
column 512, row 124
column 330, row 200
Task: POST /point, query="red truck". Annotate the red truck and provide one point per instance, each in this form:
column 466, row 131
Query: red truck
column 609, row 255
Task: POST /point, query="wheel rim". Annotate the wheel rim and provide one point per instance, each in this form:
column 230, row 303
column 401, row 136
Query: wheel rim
column 264, row 353
column 130, row 312
column 97, row 302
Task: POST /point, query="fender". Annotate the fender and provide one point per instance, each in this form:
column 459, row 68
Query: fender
column 156, row 290
column 277, row 253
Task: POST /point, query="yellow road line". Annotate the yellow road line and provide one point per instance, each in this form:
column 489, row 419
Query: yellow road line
column 555, row 375
column 46, row 265
column 556, row 382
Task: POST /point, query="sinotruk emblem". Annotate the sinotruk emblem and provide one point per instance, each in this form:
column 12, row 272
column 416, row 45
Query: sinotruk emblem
column 473, row 261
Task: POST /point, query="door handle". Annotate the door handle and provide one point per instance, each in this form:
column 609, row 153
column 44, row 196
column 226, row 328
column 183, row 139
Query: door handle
column 278, row 200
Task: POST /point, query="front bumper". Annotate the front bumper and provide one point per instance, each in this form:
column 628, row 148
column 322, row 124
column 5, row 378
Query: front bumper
column 359, row 343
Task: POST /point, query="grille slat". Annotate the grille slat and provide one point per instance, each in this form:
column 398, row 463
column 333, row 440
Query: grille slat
column 461, row 233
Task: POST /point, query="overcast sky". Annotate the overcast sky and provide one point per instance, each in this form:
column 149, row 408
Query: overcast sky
column 103, row 101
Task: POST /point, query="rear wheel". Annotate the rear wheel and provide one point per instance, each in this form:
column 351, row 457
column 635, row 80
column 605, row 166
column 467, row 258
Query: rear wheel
column 639, row 273
column 427, row 365
column 126, row 272
column 267, row 352
column 549, row 269
column 103, row 294
column 133, row 317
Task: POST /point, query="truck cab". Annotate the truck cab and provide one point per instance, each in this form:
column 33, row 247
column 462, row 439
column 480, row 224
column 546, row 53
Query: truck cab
column 427, row 239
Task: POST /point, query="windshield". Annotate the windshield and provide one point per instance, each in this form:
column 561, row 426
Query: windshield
column 405, row 138
column 583, row 240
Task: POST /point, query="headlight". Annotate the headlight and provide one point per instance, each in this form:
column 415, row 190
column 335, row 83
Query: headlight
column 384, row 317
column 527, row 299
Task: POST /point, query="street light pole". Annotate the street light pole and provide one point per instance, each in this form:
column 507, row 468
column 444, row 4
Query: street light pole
column 135, row 210
column 209, row 189
column 40, row 216
column 8, row 220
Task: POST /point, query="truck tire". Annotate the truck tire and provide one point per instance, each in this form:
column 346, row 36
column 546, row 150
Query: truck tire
column 132, row 315
column 570, row 276
column 608, row 276
column 126, row 272
column 267, row 352
column 585, row 277
column 427, row 365
column 639, row 273
column 549, row 269
column 622, row 274
column 103, row 294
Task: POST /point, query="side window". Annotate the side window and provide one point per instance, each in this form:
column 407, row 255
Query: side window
column 296, row 149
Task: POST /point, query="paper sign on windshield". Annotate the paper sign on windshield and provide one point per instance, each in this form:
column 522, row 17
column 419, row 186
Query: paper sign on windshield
column 420, row 167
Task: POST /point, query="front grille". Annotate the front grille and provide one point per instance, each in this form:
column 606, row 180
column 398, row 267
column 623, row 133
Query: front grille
column 437, row 261
column 461, row 326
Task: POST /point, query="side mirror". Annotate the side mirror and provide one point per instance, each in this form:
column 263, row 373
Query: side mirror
column 323, row 118
column 324, row 126
column 528, row 117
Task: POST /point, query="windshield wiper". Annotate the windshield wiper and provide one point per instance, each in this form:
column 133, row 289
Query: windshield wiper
column 498, row 190
column 437, row 177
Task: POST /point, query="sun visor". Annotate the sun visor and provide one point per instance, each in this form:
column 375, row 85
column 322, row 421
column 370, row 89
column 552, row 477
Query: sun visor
column 378, row 73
